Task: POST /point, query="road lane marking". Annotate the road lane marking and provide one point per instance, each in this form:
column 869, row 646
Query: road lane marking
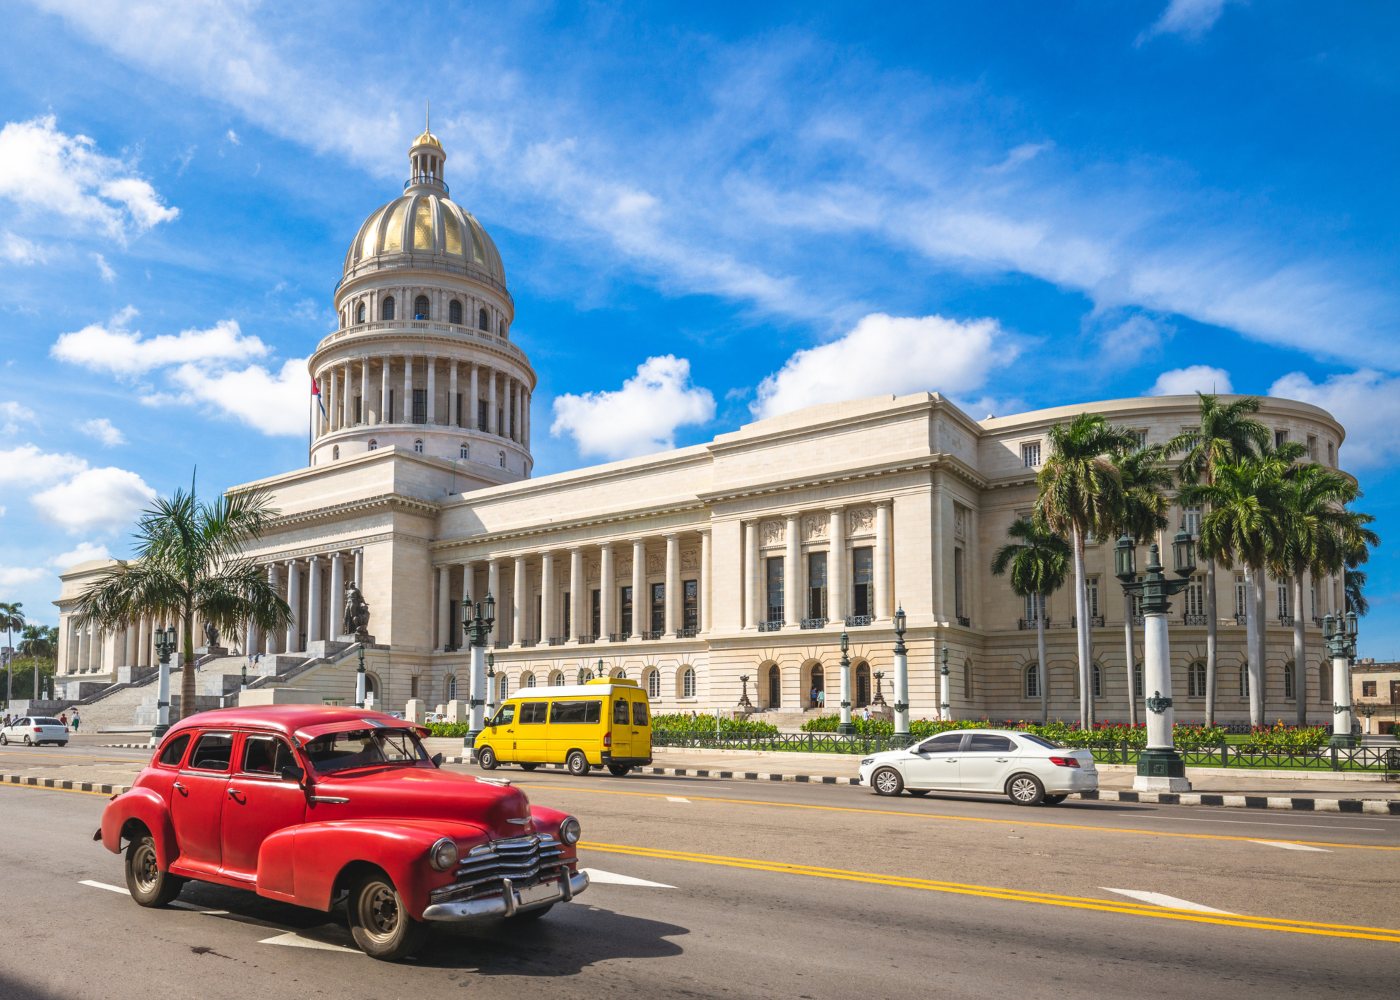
column 582, row 788
column 613, row 878
column 47, row 788
column 1255, row 822
column 72, row 758
column 103, row 885
column 1162, row 899
column 294, row 940
column 1289, row 845
column 1278, row 924
column 674, row 798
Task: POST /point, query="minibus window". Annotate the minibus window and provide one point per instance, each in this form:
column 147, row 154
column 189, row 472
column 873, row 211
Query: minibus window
column 620, row 712
column 534, row 711
column 505, row 716
column 576, row 712
column 639, row 713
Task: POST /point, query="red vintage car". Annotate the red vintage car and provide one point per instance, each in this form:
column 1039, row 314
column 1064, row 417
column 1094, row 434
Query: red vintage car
column 310, row 804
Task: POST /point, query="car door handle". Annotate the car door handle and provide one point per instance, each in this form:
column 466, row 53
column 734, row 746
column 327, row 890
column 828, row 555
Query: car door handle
column 180, row 788
column 1002, row 760
column 236, row 794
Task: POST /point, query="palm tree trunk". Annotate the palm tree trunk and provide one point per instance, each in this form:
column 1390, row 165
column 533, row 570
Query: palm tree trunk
column 1128, row 657
column 187, row 680
column 1251, row 651
column 1040, row 664
column 1212, row 624
column 1082, row 625
column 1258, row 664
column 1300, row 672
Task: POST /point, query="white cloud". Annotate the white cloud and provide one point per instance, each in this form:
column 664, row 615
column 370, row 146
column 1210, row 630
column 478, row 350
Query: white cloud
column 1129, row 342
column 12, row 415
column 27, row 465
column 104, row 269
column 104, row 499
column 43, row 170
column 640, row 417
column 888, row 354
column 272, row 402
column 114, row 348
column 232, row 137
column 1189, row 18
column 85, row 552
column 101, row 428
column 1365, row 402
column 19, row 576
column 1192, row 379
column 18, row 250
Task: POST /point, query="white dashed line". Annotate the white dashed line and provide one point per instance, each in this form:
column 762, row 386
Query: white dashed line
column 1290, row 846
column 1159, row 899
column 612, row 878
column 103, row 885
column 294, row 940
column 674, row 798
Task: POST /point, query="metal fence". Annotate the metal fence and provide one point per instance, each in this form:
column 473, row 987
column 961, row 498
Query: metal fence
column 790, row 742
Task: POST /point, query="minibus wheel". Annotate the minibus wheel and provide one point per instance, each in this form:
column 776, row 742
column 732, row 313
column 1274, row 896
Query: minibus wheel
column 618, row 770
column 577, row 763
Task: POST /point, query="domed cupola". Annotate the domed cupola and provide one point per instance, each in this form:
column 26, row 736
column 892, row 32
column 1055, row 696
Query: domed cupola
column 422, row 358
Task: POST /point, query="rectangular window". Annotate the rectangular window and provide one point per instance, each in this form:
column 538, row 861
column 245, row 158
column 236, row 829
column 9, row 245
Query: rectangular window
column 534, row 712
column 1368, row 689
column 1283, row 592
column 959, row 585
column 1280, row 438
column 639, row 708
column 539, row 617
column 482, row 409
column 620, row 712
column 568, row 613
column 359, row 416
column 1312, row 597
column 774, row 578
column 1192, row 517
column 389, row 410
column 1032, row 609
column 816, row 585
column 413, row 686
column 658, row 607
column 690, row 605
column 457, row 411
column 624, row 606
column 1331, row 454
column 595, row 611
column 1312, row 447
column 1139, row 438
column 1241, row 598
column 863, row 581
column 1091, row 590
column 420, row 406
column 212, row 752
column 1196, row 598
column 576, row 712
column 1030, row 455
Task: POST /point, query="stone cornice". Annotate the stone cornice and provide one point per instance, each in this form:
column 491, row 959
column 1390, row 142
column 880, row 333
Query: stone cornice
column 926, row 463
column 561, row 527
column 386, row 502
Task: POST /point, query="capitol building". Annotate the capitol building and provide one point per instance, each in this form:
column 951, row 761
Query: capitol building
column 704, row 573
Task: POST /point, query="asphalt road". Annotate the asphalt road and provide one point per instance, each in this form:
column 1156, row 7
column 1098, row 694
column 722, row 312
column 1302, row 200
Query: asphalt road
column 770, row 890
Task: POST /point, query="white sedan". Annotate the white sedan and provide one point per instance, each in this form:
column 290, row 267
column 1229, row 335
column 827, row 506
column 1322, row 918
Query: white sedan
column 34, row 731
column 1026, row 768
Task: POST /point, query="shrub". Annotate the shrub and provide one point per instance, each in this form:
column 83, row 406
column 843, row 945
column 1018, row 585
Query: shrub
column 704, row 725
column 449, row 728
column 1279, row 738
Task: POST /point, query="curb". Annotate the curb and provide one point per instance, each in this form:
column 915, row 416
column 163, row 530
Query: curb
column 1372, row 807
column 29, row 781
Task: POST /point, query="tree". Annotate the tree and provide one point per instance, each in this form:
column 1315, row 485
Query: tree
column 1145, row 479
column 1225, row 434
column 1354, row 585
column 1038, row 560
column 11, row 618
column 189, row 564
column 1080, row 491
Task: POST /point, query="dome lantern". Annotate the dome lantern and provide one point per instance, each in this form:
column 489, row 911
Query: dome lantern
column 426, row 159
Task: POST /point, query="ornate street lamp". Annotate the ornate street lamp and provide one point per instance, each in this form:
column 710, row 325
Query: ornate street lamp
column 361, row 679
column 165, row 645
column 1367, row 710
column 1339, row 633
column 846, row 727
column 477, row 622
column 1160, row 767
column 944, row 708
column 490, row 684
column 744, row 697
column 901, row 675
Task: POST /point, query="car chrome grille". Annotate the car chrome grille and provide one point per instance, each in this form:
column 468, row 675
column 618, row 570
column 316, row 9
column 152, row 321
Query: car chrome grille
column 523, row 860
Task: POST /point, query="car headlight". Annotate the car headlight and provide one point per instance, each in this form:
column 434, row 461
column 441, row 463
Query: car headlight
column 443, row 854
column 570, row 831
column 868, row 760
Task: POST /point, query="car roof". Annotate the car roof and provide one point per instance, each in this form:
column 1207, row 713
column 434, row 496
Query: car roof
column 978, row 732
column 288, row 719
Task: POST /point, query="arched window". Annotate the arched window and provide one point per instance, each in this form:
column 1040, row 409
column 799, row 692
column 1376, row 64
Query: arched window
column 527, row 680
column 450, row 682
column 1244, row 680
column 1097, row 683
column 1031, row 682
column 483, row 320
column 862, row 685
column 418, row 445
column 687, row 682
column 775, row 686
column 1324, row 682
column 502, row 456
column 1288, row 685
column 967, row 678
column 501, row 327
column 454, row 312
column 373, row 444
column 556, row 678
column 502, row 687
column 360, row 313
column 335, row 454
column 818, row 686
column 464, row 451
column 584, row 675
column 386, row 308
column 1196, row 680
column 420, row 307
column 653, row 683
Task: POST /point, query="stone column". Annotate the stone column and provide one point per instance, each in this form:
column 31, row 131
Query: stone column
column 129, row 645
column 274, row 582
column 364, row 391
column 444, row 629
column 335, row 602
column 507, row 405
column 517, row 611
column 473, row 395
column 313, row 600
column 836, row 572
column 546, row 596
column 294, row 599
column 360, row 568
column 347, row 392
column 384, row 416
column 882, row 561
column 407, row 389
column 525, row 419
column 493, row 580
column 754, row 594
column 432, row 390
column 143, row 642
column 452, row 393
column 576, row 586
column 704, row 586
column 492, row 425
column 673, row 583
column 607, row 587
column 641, row 607
column 792, row 575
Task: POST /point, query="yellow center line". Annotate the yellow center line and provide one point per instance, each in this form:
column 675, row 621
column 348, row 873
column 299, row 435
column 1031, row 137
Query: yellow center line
column 1021, row 823
column 1278, row 924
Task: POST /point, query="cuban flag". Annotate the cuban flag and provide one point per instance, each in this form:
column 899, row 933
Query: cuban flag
column 316, row 391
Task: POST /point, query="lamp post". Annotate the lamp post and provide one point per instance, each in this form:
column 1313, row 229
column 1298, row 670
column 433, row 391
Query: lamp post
column 243, row 677
column 1367, row 711
column 901, row 675
column 477, row 621
column 165, row 645
column 490, row 684
column 361, row 678
column 847, row 727
column 1339, row 632
column 1160, row 767
column 944, row 708
column 744, row 696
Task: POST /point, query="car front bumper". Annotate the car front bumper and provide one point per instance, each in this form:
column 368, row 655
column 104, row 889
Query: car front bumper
column 509, row 901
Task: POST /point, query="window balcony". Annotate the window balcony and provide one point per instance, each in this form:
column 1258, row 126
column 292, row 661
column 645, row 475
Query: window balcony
column 1095, row 621
column 617, row 636
column 856, row 621
column 965, row 621
column 1194, row 620
column 527, row 643
column 688, row 632
column 1029, row 625
column 813, row 623
column 1285, row 620
column 555, row 640
column 587, row 640
column 652, row 636
column 771, row 626
column 1241, row 619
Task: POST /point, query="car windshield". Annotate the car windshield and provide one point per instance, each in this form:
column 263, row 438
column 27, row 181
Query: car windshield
column 365, row 748
column 1041, row 741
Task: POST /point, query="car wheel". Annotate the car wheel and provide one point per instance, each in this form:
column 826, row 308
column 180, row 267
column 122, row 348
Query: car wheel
column 577, row 763
column 4, row 740
column 618, row 770
column 486, row 759
column 379, row 923
column 1054, row 800
column 1025, row 790
column 28, row 742
column 528, row 767
column 63, row 744
column 534, row 914
column 148, row 885
column 887, row 781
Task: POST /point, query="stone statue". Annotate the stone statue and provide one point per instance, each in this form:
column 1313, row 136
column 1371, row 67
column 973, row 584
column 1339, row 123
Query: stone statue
column 211, row 635
column 356, row 611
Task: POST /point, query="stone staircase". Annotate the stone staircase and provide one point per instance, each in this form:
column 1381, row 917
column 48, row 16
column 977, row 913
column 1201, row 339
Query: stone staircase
column 788, row 721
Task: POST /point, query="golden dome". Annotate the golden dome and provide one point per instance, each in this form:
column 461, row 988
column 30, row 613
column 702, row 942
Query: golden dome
column 428, row 228
column 427, row 139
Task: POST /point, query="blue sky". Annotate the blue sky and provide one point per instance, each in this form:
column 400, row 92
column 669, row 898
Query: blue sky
column 706, row 213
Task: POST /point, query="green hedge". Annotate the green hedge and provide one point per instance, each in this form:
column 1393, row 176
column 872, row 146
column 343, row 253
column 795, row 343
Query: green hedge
column 704, row 725
column 449, row 728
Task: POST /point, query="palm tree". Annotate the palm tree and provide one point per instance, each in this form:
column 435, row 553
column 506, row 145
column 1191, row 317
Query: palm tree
column 1145, row 479
column 11, row 618
column 1080, row 491
column 189, row 564
column 1225, row 433
column 39, row 641
column 1038, row 560
column 1354, row 585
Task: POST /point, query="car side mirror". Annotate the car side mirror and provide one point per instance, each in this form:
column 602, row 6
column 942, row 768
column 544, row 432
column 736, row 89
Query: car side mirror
column 291, row 772
column 438, row 759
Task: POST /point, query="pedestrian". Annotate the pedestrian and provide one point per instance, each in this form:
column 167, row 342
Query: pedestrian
column 63, row 718
column 814, row 696
column 821, row 698
column 77, row 719
column 865, row 713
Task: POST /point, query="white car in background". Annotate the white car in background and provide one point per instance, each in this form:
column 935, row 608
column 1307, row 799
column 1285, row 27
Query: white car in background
column 34, row 731
column 1026, row 768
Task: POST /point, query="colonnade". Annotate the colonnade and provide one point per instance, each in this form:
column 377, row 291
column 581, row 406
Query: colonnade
column 440, row 302
column 314, row 587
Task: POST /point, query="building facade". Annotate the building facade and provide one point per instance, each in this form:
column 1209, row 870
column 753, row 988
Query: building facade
column 705, row 572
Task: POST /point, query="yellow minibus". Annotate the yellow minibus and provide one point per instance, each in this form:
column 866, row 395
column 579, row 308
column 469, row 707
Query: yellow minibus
column 605, row 722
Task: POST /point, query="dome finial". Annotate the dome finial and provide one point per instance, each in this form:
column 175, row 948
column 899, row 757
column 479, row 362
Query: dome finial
column 427, row 115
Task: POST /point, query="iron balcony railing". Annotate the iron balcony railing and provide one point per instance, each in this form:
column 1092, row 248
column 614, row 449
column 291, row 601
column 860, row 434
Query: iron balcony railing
column 814, row 623
column 1241, row 619
column 587, row 640
column 965, row 621
column 1195, row 620
column 774, row 625
column 617, row 637
column 688, row 632
column 856, row 621
column 555, row 640
column 653, row 635
column 1095, row 621
column 1029, row 624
